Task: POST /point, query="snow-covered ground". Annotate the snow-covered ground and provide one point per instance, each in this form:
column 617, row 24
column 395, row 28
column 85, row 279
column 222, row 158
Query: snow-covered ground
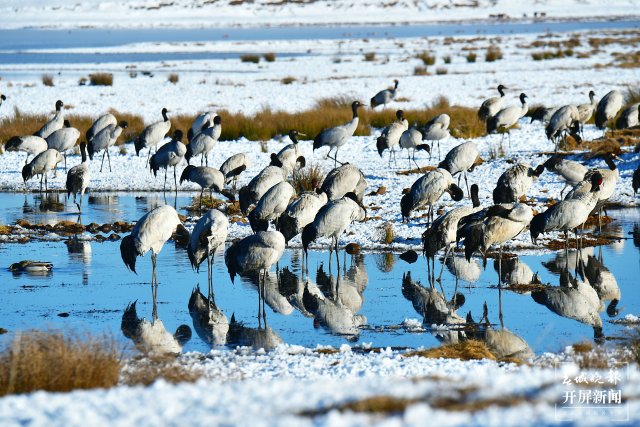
column 212, row 13
column 294, row 386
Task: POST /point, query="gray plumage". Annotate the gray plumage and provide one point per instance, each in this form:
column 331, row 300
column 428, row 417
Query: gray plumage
column 585, row 111
column 437, row 129
column 570, row 171
column 78, row 177
column 64, row 139
column 56, row 122
column 30, row 144
column 333, row 219
column 507, row 117
column 543, row 114
column 342, row 180
column 289, row 156
column 565, row 120
column 629, row 117
column 170, row 154
column 515, row 182
column 384, row 96
column 299, row 213
column 390, row 136
column 41, row 165
column 203, row 142
column 234, row 166
column 608, row 108
column 104, row 139
column 336, row 137
column 427, row 190
column 491, row 106
column 207, row 178
column 460, row 160
column 100, row 123
column 153, row 134
column 252, row 192
column 271, row 205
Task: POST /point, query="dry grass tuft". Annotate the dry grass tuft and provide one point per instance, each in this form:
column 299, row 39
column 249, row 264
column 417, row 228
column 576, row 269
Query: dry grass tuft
column 494, row 53
column 287, row 80
column 420, row 71
column 47, row 79
column 387, row 233
column 173, row 78
column 582, row 347
column 370, row 56
column 426, row 58
column 471, row 57
column 465, row 350
column 250, row 58
column 101, row 79
column 145, row 371
column 53, row 361
column 270, row 57
column 447, row 59
column 307, row 179
column 441, row 70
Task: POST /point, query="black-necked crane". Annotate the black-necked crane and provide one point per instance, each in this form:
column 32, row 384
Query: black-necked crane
column 99, row 124
column 105, row 139
column 570, row 171
column 153, row 134
column 234, row 166
column 203, row 142
column 56, row 122
column 332, row 220
column 170, row 154
column 411, row 139
column 255, row 253
column 565, row 120
column 585, row 111
column 289, row 156
column 150, row 233
column 259, row 184
column 209, row 233
column 271, row 205
column 630, row 117
column 299, row 213
column 342, row 180
column 501, row 224
column 574, row 299
column 207, row 178
column 427, row 190
column 30, row 144
column 491, row 106
column 201, row 121
column 336, row 137
column 610, row 177
column 78, row 177
column 436, row 130
column 608, row 108
column 543, row 114
column 570, row 213
column 63, row 140
column 443, row 232
column 461, row 159
column 508, row 117
column 41, row 165
column 389, row 139
column 152, row 337
column 384, row 96
column 515, row 182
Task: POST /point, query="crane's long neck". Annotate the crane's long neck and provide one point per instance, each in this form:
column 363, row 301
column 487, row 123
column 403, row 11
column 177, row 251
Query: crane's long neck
column 501, row 91
column 354, row 109
column 164, row 115
column 610, row 163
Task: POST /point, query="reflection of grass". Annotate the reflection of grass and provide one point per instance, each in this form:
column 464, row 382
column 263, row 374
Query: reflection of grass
column 53, row 361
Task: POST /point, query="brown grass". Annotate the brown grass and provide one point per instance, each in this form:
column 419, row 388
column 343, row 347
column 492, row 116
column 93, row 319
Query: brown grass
column 145, row 371
column 446, row 59
column 267, row 123
column 47, row 79
column 471, row 57
column 419, row 70
column 270, row 57
column 101, row 79
column 441, row 70
column 53, row 361
column 250, row 58
column 287, row 80
column 493, row 54
column 387, row 233
column 173, row 78
column 427, row 59
column 370, row 56
column 307, row 179
column 465, row 350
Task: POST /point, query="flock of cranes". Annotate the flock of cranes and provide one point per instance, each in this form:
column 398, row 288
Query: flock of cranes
column 328, row 211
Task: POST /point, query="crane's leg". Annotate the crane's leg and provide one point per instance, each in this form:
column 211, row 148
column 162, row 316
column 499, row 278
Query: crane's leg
column 337, row 256
column 46, row 183
column 509, row 133
column 148, row 155
column 439, row 153
column 414, row 161
column 210, row 277
column 164, row 186
column 65, row 161
column 109, row 158
column 466, row 181
column 41, row 178
column 500, row 308
column 202, row 159
column 444, row 261
column 175, row 178
column 201, row 196
column 154, row 288
column 500, row 266
column 102, row 163
column 26, row 161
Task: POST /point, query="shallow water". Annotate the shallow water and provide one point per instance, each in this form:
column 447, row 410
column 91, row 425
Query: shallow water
column 90, row 283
